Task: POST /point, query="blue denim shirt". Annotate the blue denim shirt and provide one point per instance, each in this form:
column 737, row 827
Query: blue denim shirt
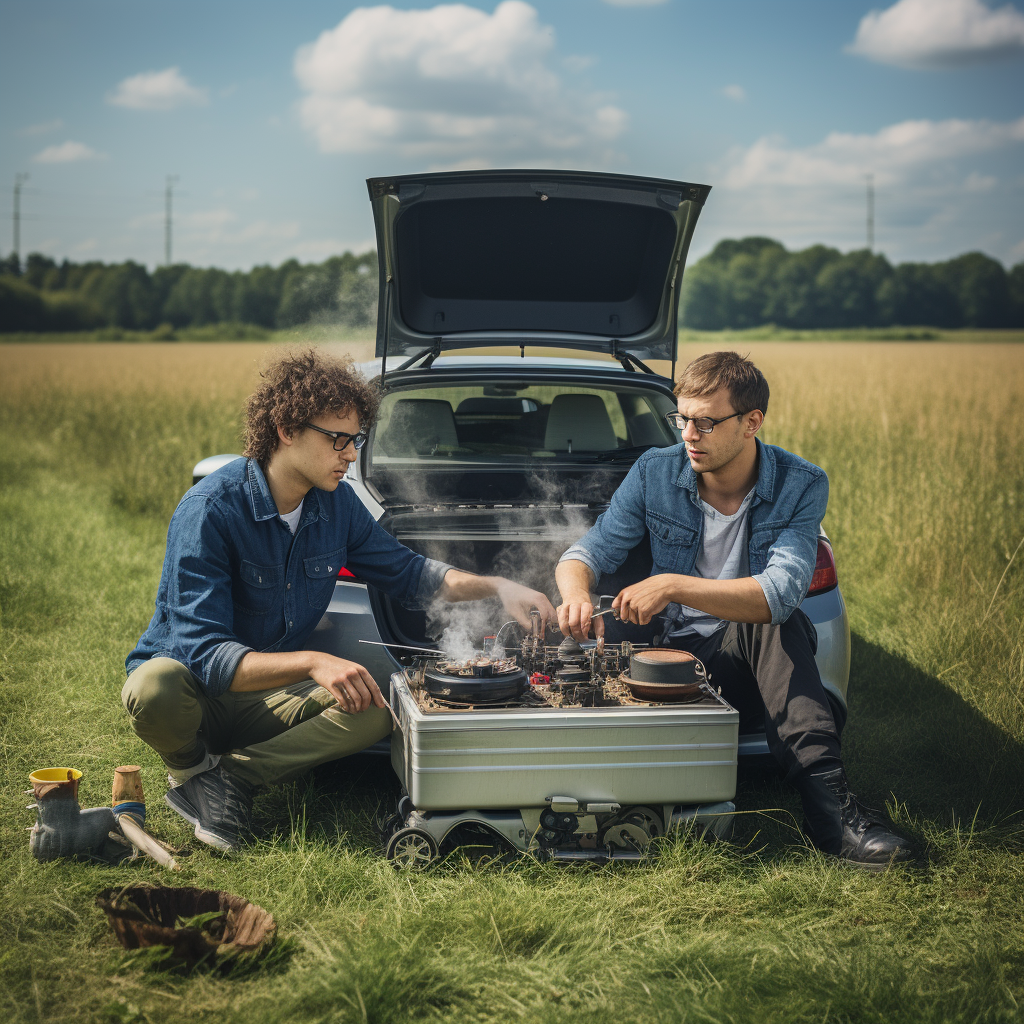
column 660, row 496
column 235, row 579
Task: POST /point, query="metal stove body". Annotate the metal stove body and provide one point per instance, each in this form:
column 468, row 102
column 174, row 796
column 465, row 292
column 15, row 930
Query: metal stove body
column 563, row 772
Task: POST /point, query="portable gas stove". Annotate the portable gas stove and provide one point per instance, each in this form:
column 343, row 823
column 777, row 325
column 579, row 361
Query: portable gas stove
column 548, row 750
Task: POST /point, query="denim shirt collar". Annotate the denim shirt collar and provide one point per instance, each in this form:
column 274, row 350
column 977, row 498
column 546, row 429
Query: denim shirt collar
column 264, row 506
column 764, row 488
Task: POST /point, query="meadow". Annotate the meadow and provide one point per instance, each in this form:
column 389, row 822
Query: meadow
column 923, row 442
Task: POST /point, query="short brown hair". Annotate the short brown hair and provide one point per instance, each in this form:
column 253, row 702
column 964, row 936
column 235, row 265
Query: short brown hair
column 707, row 373
column 296, row 388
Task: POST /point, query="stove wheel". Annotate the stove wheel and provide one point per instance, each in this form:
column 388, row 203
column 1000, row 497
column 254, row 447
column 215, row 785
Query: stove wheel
column 411, row 848
column 633, row 829
column 557, row 827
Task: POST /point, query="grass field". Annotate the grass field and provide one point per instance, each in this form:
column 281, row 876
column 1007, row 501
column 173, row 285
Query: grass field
column 923, row 446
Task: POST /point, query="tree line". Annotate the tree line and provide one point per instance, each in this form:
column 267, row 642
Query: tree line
column 43, row 295
column 744, row 283
column 757, row 281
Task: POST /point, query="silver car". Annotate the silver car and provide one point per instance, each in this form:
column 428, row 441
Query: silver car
column 497, row 464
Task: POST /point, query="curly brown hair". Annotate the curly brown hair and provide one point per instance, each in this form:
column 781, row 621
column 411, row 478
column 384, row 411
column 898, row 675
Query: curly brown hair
column 296, row 388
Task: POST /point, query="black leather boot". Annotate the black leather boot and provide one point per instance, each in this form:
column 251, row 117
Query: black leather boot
column 837, row 823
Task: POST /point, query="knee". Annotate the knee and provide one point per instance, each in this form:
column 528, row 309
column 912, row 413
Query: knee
column 160, row 690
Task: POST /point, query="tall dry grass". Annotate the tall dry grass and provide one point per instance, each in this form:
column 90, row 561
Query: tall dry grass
column 922, row 446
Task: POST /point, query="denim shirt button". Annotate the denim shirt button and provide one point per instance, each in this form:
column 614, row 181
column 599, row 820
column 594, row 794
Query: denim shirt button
column 290, row 623
column 288, row 587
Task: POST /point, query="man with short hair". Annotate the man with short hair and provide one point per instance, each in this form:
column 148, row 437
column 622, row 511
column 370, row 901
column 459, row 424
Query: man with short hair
column 221, row 684
column 733, row 527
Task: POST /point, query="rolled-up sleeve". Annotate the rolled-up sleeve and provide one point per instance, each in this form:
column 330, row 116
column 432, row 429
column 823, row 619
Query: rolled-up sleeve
column 386, row 563
column 792, row 557
column 197, row 571
column 605, row 546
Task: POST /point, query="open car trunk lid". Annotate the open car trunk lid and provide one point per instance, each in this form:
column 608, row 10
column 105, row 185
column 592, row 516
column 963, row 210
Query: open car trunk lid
column 569, row 259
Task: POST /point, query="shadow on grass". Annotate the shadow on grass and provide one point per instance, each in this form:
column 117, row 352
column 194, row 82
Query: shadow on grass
column 338, row 802
column 910, row 736
column 910, row 741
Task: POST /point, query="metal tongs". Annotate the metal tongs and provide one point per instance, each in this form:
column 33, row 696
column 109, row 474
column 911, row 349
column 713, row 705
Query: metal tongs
column 604, row 604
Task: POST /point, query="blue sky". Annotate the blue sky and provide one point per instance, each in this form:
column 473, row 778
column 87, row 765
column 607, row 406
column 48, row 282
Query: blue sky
column 272, row 116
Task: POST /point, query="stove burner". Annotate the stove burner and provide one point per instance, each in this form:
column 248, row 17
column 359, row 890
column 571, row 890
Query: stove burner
column 479, row 668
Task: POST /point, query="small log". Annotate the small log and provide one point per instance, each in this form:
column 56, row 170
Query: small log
column 144, row 842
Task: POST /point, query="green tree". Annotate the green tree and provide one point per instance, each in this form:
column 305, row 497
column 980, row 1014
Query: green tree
column 1015, row 292
column 981, row 289
column 123, row 294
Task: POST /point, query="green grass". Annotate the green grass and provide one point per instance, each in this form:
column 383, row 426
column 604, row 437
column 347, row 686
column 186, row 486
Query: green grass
column 922, row 443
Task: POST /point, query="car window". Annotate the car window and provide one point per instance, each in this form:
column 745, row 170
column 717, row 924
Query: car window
column 503, row 422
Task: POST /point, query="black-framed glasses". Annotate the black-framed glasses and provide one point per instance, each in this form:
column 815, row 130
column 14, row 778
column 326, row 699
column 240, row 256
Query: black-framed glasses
column 340, row 438
column 705, row 424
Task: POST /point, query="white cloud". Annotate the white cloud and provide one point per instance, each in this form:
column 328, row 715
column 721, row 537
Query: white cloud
column 898, row 153
column 44, row 128
column 939, row 33
column 450, row 84
column 66, row 153
column 975, row 182
column 735, row 92
column 219, row 226
column 937, row 190
column 157, row 90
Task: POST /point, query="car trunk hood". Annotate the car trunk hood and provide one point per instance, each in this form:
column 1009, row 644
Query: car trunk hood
column 566, row 259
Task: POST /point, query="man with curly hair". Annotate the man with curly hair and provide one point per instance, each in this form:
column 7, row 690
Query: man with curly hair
column 222, row 684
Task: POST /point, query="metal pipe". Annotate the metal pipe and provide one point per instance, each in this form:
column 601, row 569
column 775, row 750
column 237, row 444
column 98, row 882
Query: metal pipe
column 407, row 647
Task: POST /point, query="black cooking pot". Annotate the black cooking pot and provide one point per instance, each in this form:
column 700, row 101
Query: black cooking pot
column 662, row 674
column 476, row 689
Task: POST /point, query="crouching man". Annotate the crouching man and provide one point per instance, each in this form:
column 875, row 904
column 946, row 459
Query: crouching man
column 221, row 684
column 733, row 527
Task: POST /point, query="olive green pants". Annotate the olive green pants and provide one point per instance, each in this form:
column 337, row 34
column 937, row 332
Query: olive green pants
column 265, row 736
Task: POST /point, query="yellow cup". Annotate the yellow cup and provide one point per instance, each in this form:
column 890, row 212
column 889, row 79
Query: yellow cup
column 48, row 780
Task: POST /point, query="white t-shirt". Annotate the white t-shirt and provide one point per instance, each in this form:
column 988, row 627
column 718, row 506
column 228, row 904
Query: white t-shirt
column 291, row 519
column 723, row 556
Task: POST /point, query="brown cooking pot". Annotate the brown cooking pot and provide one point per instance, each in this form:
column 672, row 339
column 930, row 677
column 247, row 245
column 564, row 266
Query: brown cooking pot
column 664, row 675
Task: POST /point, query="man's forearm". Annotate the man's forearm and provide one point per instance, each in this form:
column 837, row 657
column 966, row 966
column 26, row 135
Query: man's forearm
column 574, row 579
column 740, row 600
column 262, row 671
column 465, row 586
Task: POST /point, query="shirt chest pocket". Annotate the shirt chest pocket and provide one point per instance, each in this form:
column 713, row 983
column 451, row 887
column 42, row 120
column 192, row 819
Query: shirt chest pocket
column 260, row 587
column 321, row 572
column 673, row 546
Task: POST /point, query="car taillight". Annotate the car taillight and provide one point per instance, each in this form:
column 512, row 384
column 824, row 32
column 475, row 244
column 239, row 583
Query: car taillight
column 825, row 576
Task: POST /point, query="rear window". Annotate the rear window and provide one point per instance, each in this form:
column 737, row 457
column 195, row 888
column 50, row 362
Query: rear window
column 518, row 424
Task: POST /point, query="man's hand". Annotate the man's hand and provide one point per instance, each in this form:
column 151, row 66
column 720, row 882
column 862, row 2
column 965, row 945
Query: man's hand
column 350, row 684
column 518, row 600
column 575, row 581
column 642, row 601
column 574, row 617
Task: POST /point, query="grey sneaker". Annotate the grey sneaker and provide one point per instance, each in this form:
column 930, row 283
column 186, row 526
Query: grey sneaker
column 218, row 804
column 177, row 776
